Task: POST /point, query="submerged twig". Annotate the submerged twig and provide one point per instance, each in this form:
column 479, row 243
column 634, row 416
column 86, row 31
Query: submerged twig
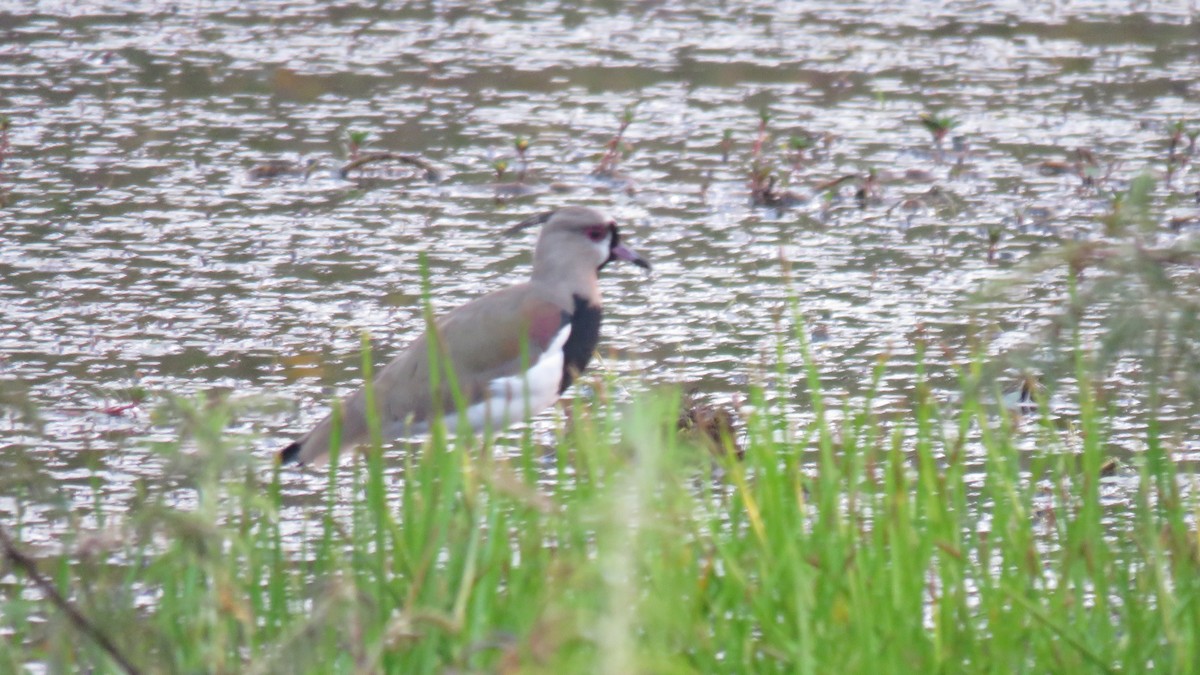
column 431, row 172
column 27, row 565
column 834, row 183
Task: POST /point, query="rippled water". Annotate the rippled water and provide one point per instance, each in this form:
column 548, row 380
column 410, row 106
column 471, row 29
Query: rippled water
column 138, row 252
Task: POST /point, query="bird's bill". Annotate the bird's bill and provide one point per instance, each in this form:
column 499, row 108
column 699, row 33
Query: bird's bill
column 623, row 252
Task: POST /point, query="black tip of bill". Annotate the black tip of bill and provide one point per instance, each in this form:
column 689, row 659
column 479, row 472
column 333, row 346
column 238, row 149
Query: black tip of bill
column 622, row 252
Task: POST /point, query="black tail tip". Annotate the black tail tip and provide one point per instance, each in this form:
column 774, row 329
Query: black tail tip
column 290, row 454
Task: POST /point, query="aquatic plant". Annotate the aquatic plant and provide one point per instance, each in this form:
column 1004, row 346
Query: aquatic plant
column 762, row 172
column 869, row 189
column 355, row 142
column 938, row 127
column 616, row 147
column 726, row 144
column 995, row 232
column 1177, row 156
column 521, row 145
column 499, row 167
column 1092, row 172
column 760, row 137
column 762, row 182
column 798, row 145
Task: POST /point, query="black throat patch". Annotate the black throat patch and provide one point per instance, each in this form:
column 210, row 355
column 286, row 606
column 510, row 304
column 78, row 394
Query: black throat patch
column 585, row 335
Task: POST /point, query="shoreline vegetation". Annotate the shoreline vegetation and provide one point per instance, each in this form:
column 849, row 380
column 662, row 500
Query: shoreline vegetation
column 630, row 548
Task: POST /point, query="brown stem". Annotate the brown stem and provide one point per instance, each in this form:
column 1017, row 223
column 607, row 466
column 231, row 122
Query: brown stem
column 29, row 566
column 759, row 140
column 612, row 153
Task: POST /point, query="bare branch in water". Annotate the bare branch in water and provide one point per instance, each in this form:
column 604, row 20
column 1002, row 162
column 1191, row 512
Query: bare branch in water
column 431, row 172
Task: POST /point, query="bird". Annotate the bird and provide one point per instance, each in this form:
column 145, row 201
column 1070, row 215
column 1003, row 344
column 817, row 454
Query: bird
column 511, row 353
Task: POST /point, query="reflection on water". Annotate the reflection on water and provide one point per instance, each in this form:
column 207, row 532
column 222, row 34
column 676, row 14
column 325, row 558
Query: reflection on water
column 139, row 254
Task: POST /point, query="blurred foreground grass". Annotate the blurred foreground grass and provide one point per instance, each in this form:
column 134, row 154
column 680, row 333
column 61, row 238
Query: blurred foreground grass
column 637, row 552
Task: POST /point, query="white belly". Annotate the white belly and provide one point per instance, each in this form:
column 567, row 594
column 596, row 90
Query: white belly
column 518, row 397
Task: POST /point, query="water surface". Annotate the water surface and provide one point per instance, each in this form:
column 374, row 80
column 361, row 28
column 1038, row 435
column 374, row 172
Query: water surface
column 137, row 253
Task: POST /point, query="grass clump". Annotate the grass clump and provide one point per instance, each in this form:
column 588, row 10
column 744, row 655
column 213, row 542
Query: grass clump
column 850, row 542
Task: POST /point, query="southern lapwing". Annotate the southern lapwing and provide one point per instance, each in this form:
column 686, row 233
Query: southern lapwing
column 512, row 352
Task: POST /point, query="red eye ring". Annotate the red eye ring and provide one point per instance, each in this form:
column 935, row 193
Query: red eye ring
column 596, row 233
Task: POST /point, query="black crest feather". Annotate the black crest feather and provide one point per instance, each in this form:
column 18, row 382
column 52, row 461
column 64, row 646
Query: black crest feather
column 538, row 219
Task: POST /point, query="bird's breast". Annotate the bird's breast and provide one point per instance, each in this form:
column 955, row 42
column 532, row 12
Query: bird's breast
column 585, row 335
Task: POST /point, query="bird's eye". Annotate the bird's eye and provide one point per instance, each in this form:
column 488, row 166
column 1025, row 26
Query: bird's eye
column 597, row 233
